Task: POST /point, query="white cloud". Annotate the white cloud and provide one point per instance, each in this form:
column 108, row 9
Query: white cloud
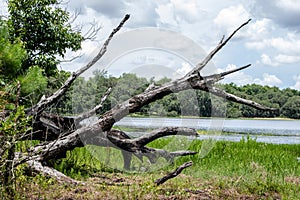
column 142, row 13
column 231, row 17
column 3, row 8
column 185, row 68
column 188, row 10
column 256, row 45
column 293, row 5
column 272, row 37
column 277, row 50
column 111, row 9
column 176, row 12
column 268, row 79
column 282, row 12
column 88, row 50
column 239, row 78
column 258, row 30
column 287, row 59
column 166, row 14
column 289, row 44
column 297, row 84
column 266, row 60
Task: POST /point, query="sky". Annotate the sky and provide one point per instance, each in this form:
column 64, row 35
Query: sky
column 187, row 30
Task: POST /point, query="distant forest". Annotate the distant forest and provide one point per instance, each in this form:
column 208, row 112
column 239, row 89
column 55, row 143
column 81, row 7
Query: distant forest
column 86, row 94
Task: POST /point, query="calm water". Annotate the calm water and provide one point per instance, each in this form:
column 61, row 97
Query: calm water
column 269, row 131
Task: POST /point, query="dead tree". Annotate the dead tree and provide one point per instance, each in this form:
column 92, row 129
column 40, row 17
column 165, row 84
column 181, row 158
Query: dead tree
column 63, row 135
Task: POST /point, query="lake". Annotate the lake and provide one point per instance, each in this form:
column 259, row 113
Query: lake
column 268, row 131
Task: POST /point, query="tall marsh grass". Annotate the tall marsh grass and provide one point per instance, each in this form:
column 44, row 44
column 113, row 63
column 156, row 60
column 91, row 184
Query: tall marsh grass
column 248, row 166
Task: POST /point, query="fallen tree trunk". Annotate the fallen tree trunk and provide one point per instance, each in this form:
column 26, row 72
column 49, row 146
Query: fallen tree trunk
column 65, row 135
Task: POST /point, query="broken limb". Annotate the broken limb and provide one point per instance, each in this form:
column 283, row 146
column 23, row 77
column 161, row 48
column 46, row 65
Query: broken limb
column 173, row 174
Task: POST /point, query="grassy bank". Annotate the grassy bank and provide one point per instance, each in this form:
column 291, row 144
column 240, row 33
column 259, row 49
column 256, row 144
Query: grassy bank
column 231, row 170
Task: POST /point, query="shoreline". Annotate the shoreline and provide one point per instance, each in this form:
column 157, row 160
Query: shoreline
column 225, row 118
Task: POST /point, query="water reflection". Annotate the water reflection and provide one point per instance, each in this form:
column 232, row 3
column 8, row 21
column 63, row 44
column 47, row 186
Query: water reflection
column 268, row 131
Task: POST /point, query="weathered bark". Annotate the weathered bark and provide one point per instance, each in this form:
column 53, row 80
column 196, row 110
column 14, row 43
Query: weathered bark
column 208, row 58
column 63, row 135
column 138, row 148
column 48, row 171
column 46, row 102
column 49, row 127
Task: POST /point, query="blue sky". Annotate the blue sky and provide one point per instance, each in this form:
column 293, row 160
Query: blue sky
column 271, row 42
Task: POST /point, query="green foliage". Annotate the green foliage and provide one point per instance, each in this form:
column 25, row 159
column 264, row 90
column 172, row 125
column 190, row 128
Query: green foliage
column 258, row 168
column 11, row 55
column 72, row 166
column 269, row 96
column 33, row 83
column 35, row 34
column 7, row 97
column 43, row 27
column 127, row 86
column 87, row 93
column 11, row 130
column 292, row 107
column 15, row 123
column 246, row 167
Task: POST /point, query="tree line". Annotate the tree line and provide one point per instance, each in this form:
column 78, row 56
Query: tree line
column 86, row 93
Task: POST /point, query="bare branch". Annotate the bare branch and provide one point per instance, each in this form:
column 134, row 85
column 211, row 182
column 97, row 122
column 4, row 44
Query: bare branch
column 92, row 31
column 93, row 111
column 117, row 137
column 222, row 43
column 48, row 171
column 44, row 103
column 234, row 70
column 104, row 47
column 149, row 137
column 173, row 174
column 74, row 16
column 138, row 148
column 211, row 79
column 233, row 98
column 71, row 60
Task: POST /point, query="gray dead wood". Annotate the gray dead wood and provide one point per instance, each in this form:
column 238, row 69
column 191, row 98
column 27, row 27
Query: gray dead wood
column 51, row 172
column 100, row 133
column 46, row 102
column 173, row 174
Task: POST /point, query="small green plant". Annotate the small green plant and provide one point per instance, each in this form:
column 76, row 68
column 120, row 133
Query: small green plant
column 12, row 129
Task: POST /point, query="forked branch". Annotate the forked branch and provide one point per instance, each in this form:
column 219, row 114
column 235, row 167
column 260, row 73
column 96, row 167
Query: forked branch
column 92, row 112
column 208, row 58
column 46, row 102
column 221, row 93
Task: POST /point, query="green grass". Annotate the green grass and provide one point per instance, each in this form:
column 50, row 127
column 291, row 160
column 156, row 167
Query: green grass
column 251, row 166
column 245, row 169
